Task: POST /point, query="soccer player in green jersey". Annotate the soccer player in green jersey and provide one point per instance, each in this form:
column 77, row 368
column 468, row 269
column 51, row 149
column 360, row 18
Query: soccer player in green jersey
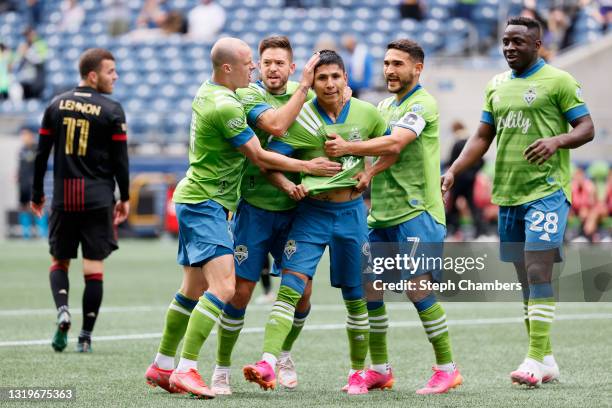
column 334, row 214
column 265, row 212
column 528, row 110
column 406, row 201
column 218, row 143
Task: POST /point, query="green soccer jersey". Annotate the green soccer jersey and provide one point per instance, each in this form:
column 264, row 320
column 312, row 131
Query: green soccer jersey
column 305, row 139
column 537, row 104
column 412, row 184
column 255, row 188
column 218, row 127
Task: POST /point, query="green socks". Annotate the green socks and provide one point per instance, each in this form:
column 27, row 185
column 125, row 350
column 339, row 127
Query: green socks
column 202, row 321
column 175, row 325
column 433, row 319
column 281, row 318
column 379, row 322
column 358, row 331
column 541, row 312
column 299, row 318
column 231, row 322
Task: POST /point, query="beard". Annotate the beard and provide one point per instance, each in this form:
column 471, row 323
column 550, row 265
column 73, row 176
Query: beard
column 403, row 84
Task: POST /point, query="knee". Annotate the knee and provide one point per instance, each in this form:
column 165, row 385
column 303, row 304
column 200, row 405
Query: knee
column 62, row 264
column 242, row 293
column 224, row 289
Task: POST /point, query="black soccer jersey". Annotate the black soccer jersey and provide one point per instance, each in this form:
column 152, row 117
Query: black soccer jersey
column 88, row 133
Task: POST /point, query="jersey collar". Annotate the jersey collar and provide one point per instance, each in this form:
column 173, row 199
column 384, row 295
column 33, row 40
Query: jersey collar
column 534, row 68
column 408, row 95
column 341, row 117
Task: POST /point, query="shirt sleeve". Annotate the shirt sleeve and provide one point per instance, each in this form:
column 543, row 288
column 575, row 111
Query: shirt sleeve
column 119, row 152
column 569, row 99
column 254, row 104
column 415, row 119
column 487, row 109
column 232, row 124
column 46, row 139
column 297, row 137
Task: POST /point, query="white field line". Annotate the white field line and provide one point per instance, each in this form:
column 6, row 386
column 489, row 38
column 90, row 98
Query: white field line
column 327, row 327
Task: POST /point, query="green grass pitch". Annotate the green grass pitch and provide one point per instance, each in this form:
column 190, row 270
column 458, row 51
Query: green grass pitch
column 489, row 341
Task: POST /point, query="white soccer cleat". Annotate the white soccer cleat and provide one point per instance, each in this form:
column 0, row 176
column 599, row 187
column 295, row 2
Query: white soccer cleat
column 220, row 383
column 529, row 373
column 287, row 376
column 550, row 370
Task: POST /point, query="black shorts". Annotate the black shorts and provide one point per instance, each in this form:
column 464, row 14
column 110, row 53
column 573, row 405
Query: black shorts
column 93, row 229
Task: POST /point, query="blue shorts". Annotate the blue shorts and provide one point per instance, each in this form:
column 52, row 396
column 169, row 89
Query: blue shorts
column 204, row 233
column 317, row 224
column 419, row 236
column 258, row 232
column 538, row 225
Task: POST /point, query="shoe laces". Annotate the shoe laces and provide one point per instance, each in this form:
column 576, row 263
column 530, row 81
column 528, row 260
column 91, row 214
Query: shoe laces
column 194, row 376
column 221, row 376
column 286, row 363
column 437, row 378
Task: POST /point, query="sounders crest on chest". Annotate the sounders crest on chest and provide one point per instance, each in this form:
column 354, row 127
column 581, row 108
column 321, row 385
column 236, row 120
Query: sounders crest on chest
column 530, row 95
column 354, row 135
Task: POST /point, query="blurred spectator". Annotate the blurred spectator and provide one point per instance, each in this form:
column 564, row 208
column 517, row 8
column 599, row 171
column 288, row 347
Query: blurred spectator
column 605, row 10
column 25, row 175
column 359, row 64
column 465, row 9
column 7, row 5
column 463, row 189
column 414, row 9
column 5, row 65
column 151, row 15
column 172, row 23
column 294, row 3
column 34, row 10
column 205, row 20
column 583, row 194
column 558, row 23
column 117, row 16
column 599, row 172
column 326, row 42
column 73, row 15
column 30, row 64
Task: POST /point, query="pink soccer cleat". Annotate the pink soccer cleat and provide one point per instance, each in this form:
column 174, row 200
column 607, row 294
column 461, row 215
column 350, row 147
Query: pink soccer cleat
column 191, row 382
column 357, row 384
column 441, row 382
column 375, row 380
column 158, row 377
column 260, row 373
column 529, row 373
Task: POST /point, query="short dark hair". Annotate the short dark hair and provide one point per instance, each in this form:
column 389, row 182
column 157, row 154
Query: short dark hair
column 330, row 57
column 410, row 47
column 91, row 60
column 276, row 41
column 530, row 23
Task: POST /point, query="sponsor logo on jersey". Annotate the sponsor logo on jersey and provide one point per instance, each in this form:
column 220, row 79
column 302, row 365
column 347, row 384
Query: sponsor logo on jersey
column 235, row 123
column 290, row 248
column 248, row 98
column 530, row 95
column 514, row 120
column 348, row 162
column 241, row 254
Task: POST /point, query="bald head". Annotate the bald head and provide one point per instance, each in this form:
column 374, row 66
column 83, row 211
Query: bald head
column 227, row 51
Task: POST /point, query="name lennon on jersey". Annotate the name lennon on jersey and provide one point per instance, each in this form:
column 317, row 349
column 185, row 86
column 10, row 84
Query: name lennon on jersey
column 515, row 120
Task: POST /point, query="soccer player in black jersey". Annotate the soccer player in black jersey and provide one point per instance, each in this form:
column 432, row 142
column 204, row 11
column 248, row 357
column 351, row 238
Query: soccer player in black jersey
column 88, row 133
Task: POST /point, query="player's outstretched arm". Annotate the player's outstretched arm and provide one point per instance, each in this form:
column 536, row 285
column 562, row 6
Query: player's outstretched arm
column 266, row 160
column 277, row 121
column 280, row 181
column 476, row 147
column 541, row 150
column 336, row 146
